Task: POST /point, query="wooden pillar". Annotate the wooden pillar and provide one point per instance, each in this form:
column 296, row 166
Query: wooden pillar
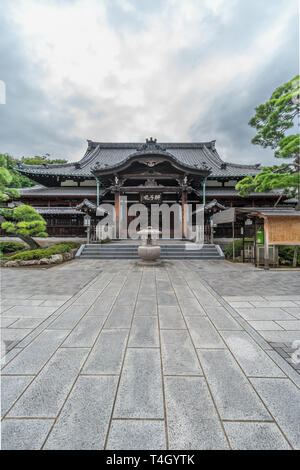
column 255, row 243
column 233, row 246
column 117, row 212
column 266, row 244
column 243, row 228
column 184, row 215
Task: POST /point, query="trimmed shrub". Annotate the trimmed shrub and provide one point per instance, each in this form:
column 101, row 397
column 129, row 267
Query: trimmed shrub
column 286, row 253
column 106, row 240
column 238, row 246
column 10, row 247
column 56, row 249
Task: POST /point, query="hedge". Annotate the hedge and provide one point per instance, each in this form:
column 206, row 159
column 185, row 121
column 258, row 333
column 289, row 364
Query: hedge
column 106, row 240
column 286, row 253
column 238, row 246
column 10, row 247
column 58, row 248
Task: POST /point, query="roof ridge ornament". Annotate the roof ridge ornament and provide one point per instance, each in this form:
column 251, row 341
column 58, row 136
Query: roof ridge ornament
column 150, row 145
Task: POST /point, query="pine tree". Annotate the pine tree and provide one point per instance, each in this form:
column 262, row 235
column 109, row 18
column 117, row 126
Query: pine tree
column 22, row 221
column 272, row 121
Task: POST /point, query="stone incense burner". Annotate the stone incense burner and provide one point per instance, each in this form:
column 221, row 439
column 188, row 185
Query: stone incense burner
column 149, row 252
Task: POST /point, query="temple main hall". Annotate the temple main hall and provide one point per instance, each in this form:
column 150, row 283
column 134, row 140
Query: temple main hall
column 149, row 172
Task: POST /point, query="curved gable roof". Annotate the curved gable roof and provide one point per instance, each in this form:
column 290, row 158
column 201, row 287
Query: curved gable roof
column 105, row 155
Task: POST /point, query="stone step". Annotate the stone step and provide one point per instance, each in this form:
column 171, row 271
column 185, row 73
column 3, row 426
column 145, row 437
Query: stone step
column 163, row 255
column 170, row 250
column 134, row 248
column 162, row 252
column 130, row 251
column 134, row 245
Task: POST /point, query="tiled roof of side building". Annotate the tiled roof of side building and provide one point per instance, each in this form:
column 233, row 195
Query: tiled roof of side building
column 108, row 155
column 58, row 210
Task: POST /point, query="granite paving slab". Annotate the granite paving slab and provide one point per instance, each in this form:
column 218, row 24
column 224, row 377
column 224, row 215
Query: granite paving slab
column 29, row 311
column 290, row 325
column 20, row 434
column 33, row 357
column 280, row 336
column 27, row 322
column 85, row 332
column 11, row 388
column 264, row 313
column 191, row 307
column 222, row 319
column 11, row 337
column 235, row 398
column 107, row 354
column 136, row 435
column 178, row 354
column 203, row 333
column 101, row 307
column 46, row 394
column 255, row 436
column 265, row 325
column 68, row 319
column 7, row 321
column 146, row 305
column 120, row 316
column 252, row 359
column 22, row 302
column 84, row 420
column 170, row 318
column 283, row 400
column 140, row 391
column 192, row 419
column 166, row 298
column 295, row 312
column 144, row 332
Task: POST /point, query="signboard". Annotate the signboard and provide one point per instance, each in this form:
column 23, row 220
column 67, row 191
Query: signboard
column 152, row 198
column 260, row 237
column 284, row 230
column 87, row 220
column 225, row 217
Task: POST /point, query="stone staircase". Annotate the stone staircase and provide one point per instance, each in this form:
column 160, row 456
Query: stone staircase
column 129, row 251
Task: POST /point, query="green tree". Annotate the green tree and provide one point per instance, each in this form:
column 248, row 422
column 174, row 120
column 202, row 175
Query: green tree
column 40, row 160
column 272, row 121
column 22, row 221
column 17, row 180
column 6, row 178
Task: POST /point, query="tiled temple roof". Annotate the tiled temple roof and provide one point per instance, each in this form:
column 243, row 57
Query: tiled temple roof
column 106, row 155
column 91, row 191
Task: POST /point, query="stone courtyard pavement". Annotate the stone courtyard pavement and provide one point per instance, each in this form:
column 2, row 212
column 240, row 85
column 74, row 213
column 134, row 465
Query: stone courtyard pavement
column 190, row 355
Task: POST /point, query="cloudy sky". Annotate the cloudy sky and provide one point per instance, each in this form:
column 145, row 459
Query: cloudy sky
column 124, row 70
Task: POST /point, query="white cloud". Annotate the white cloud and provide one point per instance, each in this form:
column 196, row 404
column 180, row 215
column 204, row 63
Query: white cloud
column 132, row 78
